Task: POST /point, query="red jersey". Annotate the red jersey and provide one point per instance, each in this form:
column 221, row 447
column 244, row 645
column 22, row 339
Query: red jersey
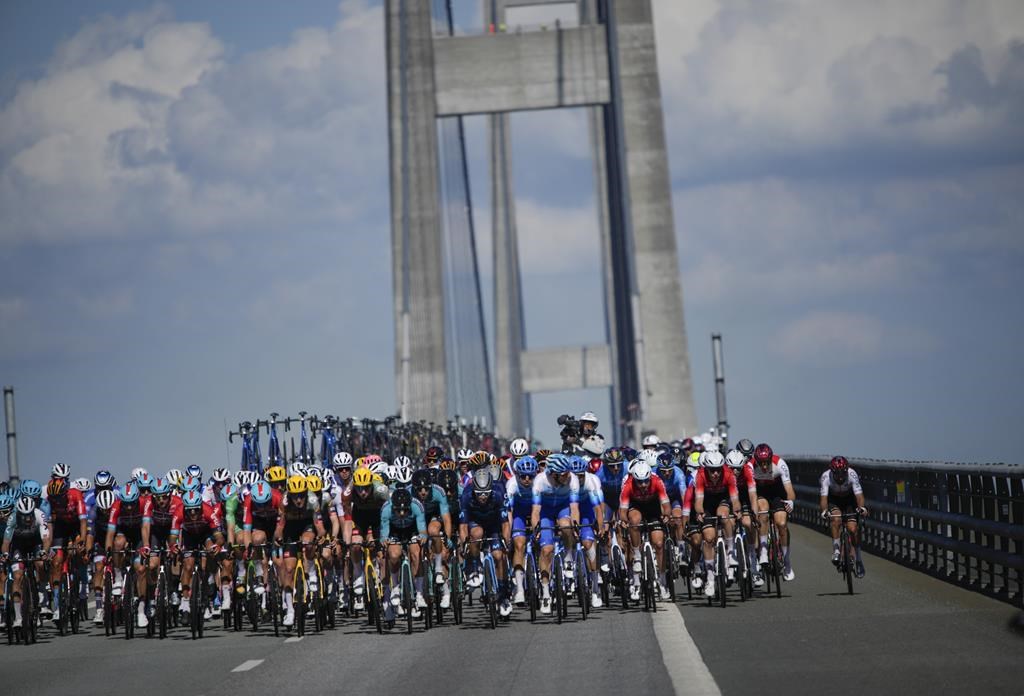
column 656, row 489
column 168, row 519
column 267, row 512
column 71, row 509
column 130, row 515
column 204, row 524
column 726, row 482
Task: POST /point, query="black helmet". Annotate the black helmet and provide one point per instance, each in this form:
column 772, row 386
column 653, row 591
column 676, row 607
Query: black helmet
column 401, row 501
column 482, row 481
column 449, row 481
column 421, row 478
column 745, row 446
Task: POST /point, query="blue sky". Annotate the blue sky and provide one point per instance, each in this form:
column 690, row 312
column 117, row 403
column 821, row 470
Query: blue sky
column 194, row 221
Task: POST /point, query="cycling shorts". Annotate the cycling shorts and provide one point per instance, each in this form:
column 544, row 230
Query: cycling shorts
column 846, row 504
column 192, row 541
column 62, row 531
column 366, row 523
column 132, row 534
column 549, row 517
column 519, row 525
column 772, row 492
column 403, row 533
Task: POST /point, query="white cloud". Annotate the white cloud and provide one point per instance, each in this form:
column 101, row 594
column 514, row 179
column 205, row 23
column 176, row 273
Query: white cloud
column 831, row 338
column 555, row 240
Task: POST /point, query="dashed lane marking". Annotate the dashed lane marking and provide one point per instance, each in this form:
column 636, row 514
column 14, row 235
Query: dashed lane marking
column 247, row 665
column 686, row 668
column 293, row 639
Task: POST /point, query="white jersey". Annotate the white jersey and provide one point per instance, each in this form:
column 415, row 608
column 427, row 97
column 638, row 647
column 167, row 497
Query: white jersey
column 830, row 487
column 778, row 470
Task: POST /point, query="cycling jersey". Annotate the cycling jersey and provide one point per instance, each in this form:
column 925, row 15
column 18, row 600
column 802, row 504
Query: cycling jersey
column 436, row 505
column 128, row 518
column 591, row 497
column 851, row 485
column 195, row 531
column 263, row 516
column 488, row 514
column 726, row 484
column 26, row 533
column 633, row 497
column 364, row 513
column 394, row 527
column 555, row 499
column 519, row 500
column 675, row 485
column 611, row 484
column 776, row 473
column 165, row 521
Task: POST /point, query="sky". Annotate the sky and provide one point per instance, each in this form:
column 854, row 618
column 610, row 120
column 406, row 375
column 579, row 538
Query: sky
column 194, row 224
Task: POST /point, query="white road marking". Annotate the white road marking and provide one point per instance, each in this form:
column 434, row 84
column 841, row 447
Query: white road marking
column 247, row 665
column 294, row 639
column 682, row 659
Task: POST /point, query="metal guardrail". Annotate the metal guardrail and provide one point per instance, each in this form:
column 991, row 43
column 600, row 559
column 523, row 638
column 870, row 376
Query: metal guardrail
column 960, row 522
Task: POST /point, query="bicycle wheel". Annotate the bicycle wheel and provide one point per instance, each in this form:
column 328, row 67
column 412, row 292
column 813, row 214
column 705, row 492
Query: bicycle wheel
column 532, row 590
column 108, row 604
column 29, row 600
column 62, row 605
column 847, row 564
column 162, row 605
column 558, row 586
column 128, row 604
column 456, row 579
column 582, row 586
column 408, row 595
column 490, row 591
column 299, row 601
column 620, row 575
column 721, row 566
column 376, row 601
column 741, row 567
column 274, row 598
column 195, row 605
column 776, row 562
column 650, row 577
column 252, row 599
column 427, row 580
column 671, row 568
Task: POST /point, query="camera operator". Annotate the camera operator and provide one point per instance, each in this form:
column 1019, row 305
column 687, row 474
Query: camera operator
column 576, row 430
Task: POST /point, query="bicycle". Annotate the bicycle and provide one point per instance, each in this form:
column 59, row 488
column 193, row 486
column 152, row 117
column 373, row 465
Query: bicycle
column 302, row 595
column 67, row 594
column 275, row 456
column 250, row 434
column 772, row 571
column 721, row 559
column 531, row 575
column 648, row 565
column 408, row 594
column 617, row 574
column 847, row 560
column 744, row 575
column 198, row 599
column 305, row 445
column 162, row 610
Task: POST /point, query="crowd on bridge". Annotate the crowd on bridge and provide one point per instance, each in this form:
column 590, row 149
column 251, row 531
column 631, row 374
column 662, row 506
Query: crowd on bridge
column 304, row 541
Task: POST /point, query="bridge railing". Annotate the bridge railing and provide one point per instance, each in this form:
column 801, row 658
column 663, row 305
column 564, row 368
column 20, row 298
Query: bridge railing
column 963, row 523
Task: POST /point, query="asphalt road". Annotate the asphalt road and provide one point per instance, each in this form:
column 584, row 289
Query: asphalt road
column 902, row 632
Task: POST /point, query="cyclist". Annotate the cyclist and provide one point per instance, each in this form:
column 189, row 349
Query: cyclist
column 163, row 530
column 299, row 523
column 842, row 494
column 34, row 490
column 519, row 497
column 7, row 503
column 401, row 519
column 591, row 522
column 747, row 489
column 362, row 507
column 342, row 463
column 775, row 495
column 97, row 525
column 200, row 534
column 27, row 531
column 128, row 529
column 68, row 526
column 555, row 509
column 261, row 511
column 483, row 519
column 211, row 491
column 651, row 442
column 327, row 499
column 230, row 510
column 713, row 495
column 644, row 500
column 439, row 519
column 676, row 483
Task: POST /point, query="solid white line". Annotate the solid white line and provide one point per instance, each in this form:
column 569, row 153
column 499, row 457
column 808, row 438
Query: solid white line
column 247, row 665
column 294, row 639
column 682, row 659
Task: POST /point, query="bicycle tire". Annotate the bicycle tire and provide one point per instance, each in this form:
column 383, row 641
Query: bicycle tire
column 776, row 558
column 671, row 569
column 621, row 576
column 847, row 570
column 582, row 586
column 456, row 579
column 490, row 591
column 427, row 580
column 162, row 605
column 531, row 590
column 741, row 566
column 128, row 604
column 29, row 622
column 558, row 586
column 377, row 602
column 252, row 600
column 299, row 601
column 108, row 604
column 62, row 621
column 195, row 606
column 650, row 579
column 274, row 597
column 408, row 595
column 721, row 565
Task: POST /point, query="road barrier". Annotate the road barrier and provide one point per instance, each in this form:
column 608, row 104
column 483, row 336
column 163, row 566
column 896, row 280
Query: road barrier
column 961, row 522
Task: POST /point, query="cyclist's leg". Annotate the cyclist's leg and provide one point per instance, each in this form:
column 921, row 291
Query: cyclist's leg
column 780, row 518
column 835, row 524
column 567, row 534
column 762, row 524
column 547, row 552
column 724, row 509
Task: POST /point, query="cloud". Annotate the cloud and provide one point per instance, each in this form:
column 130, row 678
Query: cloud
column 833, row 338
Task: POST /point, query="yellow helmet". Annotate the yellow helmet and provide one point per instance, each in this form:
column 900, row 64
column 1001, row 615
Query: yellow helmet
column 296, row 484
column 275, row 474
column 362, row 477
column 314, row 484
column 542, row 454
column 478, row 459
column 447, row 463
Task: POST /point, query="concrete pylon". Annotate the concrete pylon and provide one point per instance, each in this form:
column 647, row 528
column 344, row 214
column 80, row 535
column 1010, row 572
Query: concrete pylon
column 416, row 242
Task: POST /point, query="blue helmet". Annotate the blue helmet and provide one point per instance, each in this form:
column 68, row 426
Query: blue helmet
column 104, row 479
column 194, row 470
column 31, row 488
column 665, row 462
column 525, row 466
column 558, row 463
column 130, row 493
column 192, row 499
column 261, row 493
column 227, row 491
column 191, row 483
column 145, row 480
column 7, row 501
column 161, row 486
column 577, row 464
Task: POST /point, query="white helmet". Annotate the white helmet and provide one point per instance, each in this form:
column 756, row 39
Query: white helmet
column 296, row 468
column 81, row 484
column 105, row 499
column 220, row 475
column 380, row 467
column 342, row 459
column 252, row 478
column 648, row 456
column 402, row 475
column 174, row 476
column 403, row 461
column 652, row 440
column 464, row 454
column 239, row 478
column 328, row 478
column 588, row 417
column 519, row 447
column 712, row 459
column 26, row 505
column 593, row 445
column 735, row 459
column 61, row 470
column 138, row 473
column 640, row 470
column 314, row 471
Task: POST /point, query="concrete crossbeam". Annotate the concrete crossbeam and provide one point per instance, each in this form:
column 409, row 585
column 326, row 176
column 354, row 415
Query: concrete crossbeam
column 496, row 73
column 560, row 369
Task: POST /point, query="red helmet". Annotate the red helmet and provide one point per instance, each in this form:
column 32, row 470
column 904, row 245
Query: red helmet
column 595, row 465
column 839, row 464
column 763, row 453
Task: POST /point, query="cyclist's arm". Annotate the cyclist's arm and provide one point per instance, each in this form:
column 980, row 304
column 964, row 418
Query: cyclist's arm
column 44, row 532
column 698, row 495
column 385, row 522
column 421, row 518
column 790, row 493
column 279, row 529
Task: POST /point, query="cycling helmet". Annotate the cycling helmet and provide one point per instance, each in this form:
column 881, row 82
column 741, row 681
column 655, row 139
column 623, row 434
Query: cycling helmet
column 26, row 505
column 81, row 484
column 372, row 459
column 227, row 492
column 174, row 477
column 314, row 471
column 479, row 459
column 314, row 484
column 763, row 453
column 712, row 460
column 612, row 455
column 138, row 472
column 665, row 462
column 31, row 488
column 296, row 468
column 840, row 468
column 519, row 447
column 422, row 479
column 145, row 481
column 191, row 483
column 588, row 417
column 640, row 470
column 192, row 500
column 525, row 466
column 433, row 454
column 239, row 478
column 402, row 460
column 735, row 459
column 447, row 463
column 56, row 488
column 483, row 482
column 104, row 479
column 577, row 464
column 194, row 470
column 327, row 477
column 362, row 477
column 746, row 447
column 698, row 447
column 105, row 499
column 130, row 493
column 558, row 463
column 593, row 445
column 342, row 460
column 449, row 482
column 161, row 486
column 297, row 484
column 652, row 441
column 464, row 455
column 220, row 475
column 262, row 493
column 402, row 475
column 401, row 502
column 61, row 470
column 6, row 502
column 276, row 474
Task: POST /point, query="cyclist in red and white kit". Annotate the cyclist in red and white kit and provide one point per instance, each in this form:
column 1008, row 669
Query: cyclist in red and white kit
column 775, row 495
column 644, row 499
column 714, row 494
column 841, row 494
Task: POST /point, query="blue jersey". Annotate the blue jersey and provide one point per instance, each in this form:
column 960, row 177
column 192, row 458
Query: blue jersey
column 519, row 498
column 611, row 484
column 387, row 520
column 436, row 504
column 489, row 513
column 675, row 484
column 552, row 497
